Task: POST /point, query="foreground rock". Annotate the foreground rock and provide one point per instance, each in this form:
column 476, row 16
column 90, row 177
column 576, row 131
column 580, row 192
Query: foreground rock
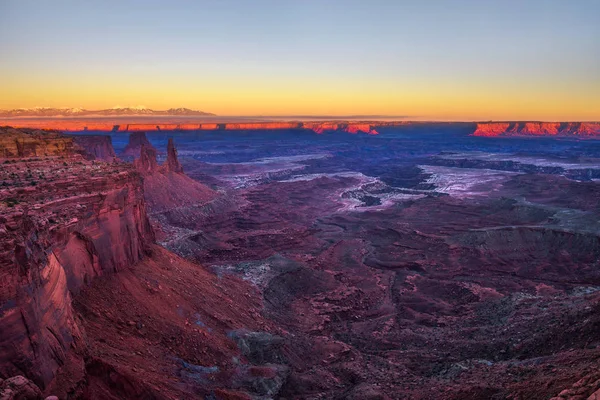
column 19, row 388
column 90, row 307
column 64, row 221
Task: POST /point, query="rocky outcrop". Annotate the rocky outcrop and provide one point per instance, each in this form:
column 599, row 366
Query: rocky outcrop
column 582, row 129
column 96, row 147
column 20, row 388
column 166, row 186
column 354, row 128
column 63, row 222
column 147, row 163
column 172, row 164
column 136, row 140
column 15, row 143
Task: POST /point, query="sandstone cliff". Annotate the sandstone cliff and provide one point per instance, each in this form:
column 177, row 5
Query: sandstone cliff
column 136, row 140
column 354, row 128
column 582, row 129
column 91, row 308
column 146, row 163
column 33, row 143
column 64, row 220
column 98, row 147
column 189, row 126
column 166, row 186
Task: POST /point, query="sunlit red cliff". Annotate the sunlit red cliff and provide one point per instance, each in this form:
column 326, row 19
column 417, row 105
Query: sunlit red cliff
column 492, row 129
column 78, row 125
column 485, row 129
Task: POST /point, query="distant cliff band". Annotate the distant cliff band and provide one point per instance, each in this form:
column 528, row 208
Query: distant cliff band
column 487, row 129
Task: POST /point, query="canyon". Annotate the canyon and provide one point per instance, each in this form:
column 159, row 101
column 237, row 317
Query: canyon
column 419, row 262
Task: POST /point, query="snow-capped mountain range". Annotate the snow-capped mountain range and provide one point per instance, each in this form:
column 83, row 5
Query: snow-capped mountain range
column 80, row 112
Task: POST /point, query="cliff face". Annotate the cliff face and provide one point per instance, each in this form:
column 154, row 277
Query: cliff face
column 33, row 143
column 492, row 129
column 147, row 163
column 158, row 125
column 136, row 140
column 80, row 331
column 98, row 147
column 63, row 222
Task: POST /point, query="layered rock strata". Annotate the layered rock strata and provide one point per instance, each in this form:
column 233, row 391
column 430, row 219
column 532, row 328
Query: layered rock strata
column 64, row 220
column 583, row 129
column 98, row 147
column 15, row 143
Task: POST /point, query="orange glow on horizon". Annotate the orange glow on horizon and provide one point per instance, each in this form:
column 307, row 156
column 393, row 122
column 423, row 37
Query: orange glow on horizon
column 244, row 96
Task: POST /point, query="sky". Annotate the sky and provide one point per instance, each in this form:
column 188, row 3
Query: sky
column 426, row 59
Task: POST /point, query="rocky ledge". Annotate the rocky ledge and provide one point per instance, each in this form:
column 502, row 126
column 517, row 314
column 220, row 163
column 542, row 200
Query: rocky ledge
column 17, row 143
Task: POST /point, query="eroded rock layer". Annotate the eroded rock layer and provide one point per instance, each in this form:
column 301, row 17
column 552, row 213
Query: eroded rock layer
column 98, row 147
column 136, row 141
column 17, row 143
column 538, row 129
column 91, row 308
column 157, row 126
column 64, row 220
column 166, row 186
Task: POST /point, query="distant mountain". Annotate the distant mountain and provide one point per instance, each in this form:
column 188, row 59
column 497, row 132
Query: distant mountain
column 80, row 112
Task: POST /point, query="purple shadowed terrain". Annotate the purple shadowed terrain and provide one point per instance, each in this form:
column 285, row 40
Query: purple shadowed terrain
column 422, row 262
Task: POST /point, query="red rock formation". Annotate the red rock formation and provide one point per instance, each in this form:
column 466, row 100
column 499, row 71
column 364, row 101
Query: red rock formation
column 172, row 164
column 582, row 129
column 166, row 186
column 171, row 125
column 136, row 140
column 352, row 127
column 33, row 143
column 76, row 221
column 203, row 127
column 321, row 127
column 142, row 332
column 20, row 388
column 360, row 128
column 262, row 126
column 98, row 147
column 147, row 163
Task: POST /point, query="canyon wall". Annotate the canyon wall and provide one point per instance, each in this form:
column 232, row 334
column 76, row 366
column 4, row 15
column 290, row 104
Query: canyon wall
column 98, row 147
column 32, row 143
column 64, row 220
column 136, row 141
column 492, row 129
